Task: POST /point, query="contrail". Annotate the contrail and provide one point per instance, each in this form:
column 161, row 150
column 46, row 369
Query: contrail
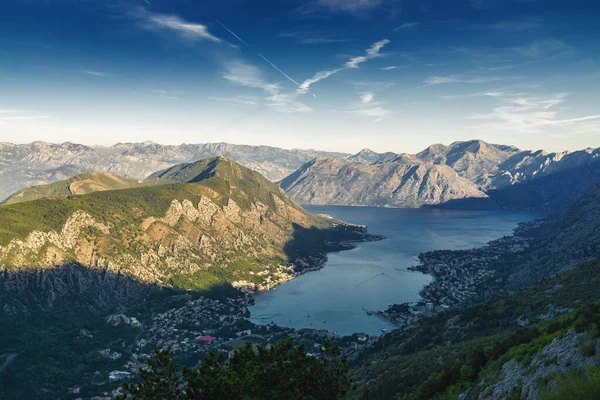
column 230, row 31
column 280, row 71
column 260, row 55
column 148, row 2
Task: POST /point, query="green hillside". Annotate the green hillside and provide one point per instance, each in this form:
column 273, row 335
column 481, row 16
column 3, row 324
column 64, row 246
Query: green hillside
column 80, row 184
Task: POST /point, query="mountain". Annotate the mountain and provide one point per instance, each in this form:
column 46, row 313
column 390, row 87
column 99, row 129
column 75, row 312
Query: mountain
column 529, row 325
column 36, row 163
column 80, row 184
column 473, row 169
column 80, row 274
column 561, row 241
column 339, row 182
column 474, row 160
column 209, row 222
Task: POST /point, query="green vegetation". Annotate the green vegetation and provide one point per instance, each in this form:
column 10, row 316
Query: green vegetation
column 575, row 386
column 427, row 360
column 265, row 373
column 80, row 184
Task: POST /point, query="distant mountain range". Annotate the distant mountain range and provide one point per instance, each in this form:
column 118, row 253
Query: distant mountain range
column 36, row 163
column 442, row 174
column 491, row 174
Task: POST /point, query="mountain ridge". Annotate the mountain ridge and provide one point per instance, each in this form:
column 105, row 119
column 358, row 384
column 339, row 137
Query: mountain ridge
column 482, row 170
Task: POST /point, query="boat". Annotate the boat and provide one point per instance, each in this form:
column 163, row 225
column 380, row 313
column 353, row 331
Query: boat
column 385, row 330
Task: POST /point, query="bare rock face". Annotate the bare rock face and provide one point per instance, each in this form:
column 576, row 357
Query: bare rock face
column 338, row 182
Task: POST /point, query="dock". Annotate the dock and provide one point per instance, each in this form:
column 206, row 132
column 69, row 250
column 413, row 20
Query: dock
column 376, row 313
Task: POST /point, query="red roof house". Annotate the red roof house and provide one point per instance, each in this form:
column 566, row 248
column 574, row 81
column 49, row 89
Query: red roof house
column 206, row 339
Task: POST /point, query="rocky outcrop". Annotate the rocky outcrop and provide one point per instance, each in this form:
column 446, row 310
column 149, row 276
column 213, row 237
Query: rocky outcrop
column 560, row 356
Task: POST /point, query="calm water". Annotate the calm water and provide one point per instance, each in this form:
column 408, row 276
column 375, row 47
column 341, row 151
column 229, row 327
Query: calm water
column 374, row 275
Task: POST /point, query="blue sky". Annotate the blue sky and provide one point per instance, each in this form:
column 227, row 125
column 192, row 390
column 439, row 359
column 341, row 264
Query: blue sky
column 342, row 75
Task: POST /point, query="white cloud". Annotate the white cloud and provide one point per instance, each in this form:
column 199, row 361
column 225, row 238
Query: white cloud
column 93, row 73
column 439, row 80
column 185, row 29
column 371, row 52
column 392, row 67
column 319, row 76
column 314, row 37
column 24, row 118
column 520, row 25
column 543, row 48
column 247, row 75
column 377, row 111
column 406, row 25
column 368, row 107
column 349, row 6
column 367, row 97
column 240, row 100
column 166, row 92
column 528, row 114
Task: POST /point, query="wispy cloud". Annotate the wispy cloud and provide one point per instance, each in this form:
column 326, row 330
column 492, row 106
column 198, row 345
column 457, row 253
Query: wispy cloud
column 314, row 37
column 367, row 97
column 392, row 67
column 543, row 48
column 520, row 25
column 354, row 62
column 18, row 115
column 167, row 94
column 406, row 25
column 372, row 52
column 247, row 75
column 528, row 113
column 24, row 118
column 477, row 94
column 239, row 100
column 98, row 74
column 187, row 30
column 368, row 107
column 358, row 8
column 261, row 56
column 439, row 80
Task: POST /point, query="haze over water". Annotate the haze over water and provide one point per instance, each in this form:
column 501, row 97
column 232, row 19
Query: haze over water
column 375, row 275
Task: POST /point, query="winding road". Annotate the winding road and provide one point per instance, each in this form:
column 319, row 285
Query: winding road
column 9, row 359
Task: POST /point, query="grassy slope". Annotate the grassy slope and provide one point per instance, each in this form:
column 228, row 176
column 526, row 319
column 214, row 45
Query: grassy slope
column 226, row 178
column 80, row 184
column 428, row 359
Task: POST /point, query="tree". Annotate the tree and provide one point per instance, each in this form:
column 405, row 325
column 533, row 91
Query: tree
column 161, row 381
column 278, row 372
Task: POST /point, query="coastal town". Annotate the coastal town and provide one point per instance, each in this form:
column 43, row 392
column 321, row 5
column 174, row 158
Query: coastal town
column 193, row 326
column 460, row 277
column 193, row 330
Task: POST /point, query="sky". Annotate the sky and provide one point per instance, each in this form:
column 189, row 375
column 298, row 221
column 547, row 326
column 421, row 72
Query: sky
column 340, row 75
